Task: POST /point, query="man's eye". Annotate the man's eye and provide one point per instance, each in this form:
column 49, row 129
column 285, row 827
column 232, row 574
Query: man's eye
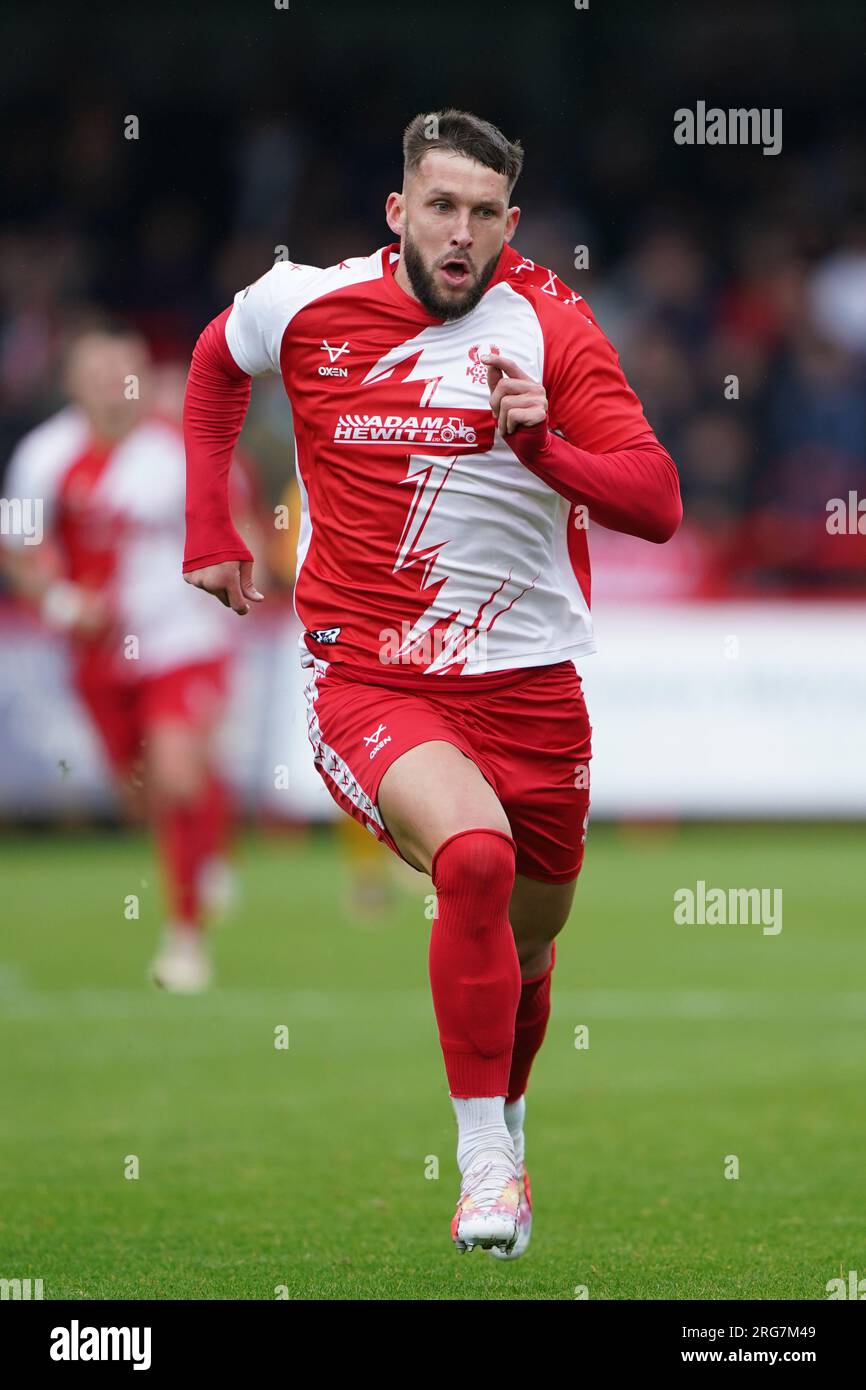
column 441, row 205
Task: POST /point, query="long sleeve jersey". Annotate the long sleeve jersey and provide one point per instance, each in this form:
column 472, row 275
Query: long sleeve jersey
column 429, row 542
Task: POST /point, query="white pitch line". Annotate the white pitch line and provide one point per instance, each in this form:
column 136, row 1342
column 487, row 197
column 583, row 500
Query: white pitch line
column 19, row 1001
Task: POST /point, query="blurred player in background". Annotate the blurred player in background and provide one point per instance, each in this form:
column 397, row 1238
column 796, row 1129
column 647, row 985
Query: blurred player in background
column 459, row 417
column 149, row 657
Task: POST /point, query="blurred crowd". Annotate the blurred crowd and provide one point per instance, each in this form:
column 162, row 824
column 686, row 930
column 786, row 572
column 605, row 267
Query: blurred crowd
column 732, row 284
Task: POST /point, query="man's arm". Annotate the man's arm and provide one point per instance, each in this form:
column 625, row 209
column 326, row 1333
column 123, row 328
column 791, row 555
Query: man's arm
column 215, row 405
column 242, row 342
column 632, row 487
column 65, row 607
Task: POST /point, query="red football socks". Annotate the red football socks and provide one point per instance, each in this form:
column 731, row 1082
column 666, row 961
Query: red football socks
column 533, row 1012
column 474, row 969
column 188, row 835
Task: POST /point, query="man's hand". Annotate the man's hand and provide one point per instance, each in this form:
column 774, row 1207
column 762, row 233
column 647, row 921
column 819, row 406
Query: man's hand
column 96, row 616
column 231, row 582
column 515, row 398
column 72, row 609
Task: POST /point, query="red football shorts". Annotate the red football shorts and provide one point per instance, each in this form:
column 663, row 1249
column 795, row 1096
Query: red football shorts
column 531, row 740
column 123, row 711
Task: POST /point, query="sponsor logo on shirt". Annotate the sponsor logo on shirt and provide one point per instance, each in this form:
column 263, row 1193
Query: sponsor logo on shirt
column 326, row 635
column 409, row 429
column 334, row 352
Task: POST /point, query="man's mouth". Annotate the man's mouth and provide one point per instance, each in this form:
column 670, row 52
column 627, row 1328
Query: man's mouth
column 456, row 273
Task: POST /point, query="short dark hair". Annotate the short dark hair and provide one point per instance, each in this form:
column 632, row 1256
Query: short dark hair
column 86, row 321
column 461, row 133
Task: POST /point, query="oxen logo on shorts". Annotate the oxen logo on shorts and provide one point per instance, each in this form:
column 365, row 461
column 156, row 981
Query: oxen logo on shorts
column 377, row 739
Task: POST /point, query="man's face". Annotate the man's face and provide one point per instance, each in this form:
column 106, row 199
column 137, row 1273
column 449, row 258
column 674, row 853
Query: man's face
column 107, row 377
column 452, row 218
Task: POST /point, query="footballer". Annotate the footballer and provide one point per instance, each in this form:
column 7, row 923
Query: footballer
column 149, row 667
column 459, row 417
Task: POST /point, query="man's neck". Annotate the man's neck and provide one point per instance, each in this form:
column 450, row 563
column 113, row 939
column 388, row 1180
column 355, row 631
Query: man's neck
column 105, row 435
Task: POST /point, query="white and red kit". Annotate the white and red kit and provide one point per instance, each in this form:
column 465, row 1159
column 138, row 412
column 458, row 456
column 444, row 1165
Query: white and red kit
column 434, row 553
column 113, row 516
column 113, row 513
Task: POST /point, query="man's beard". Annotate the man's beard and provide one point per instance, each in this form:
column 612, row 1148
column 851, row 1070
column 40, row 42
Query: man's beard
column 424, row 286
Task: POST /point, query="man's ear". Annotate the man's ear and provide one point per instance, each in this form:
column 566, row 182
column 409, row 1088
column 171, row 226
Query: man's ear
column 512, row 217
column 395, row 213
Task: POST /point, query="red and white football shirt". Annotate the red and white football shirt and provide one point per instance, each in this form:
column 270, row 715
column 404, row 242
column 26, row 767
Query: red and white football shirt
column 426, row 546
column 115, row 514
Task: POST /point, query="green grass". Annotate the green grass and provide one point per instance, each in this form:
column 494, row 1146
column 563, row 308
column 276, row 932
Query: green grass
column 306, row 1167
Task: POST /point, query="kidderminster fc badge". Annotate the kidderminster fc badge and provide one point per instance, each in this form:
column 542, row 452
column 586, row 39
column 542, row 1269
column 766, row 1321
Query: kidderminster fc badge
column 478, row 370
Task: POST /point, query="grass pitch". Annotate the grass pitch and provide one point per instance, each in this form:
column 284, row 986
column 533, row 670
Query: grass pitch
column 307, row 1170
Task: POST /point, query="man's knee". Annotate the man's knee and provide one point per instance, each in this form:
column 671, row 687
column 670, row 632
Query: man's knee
column 473, row 962
column 534, row 959
column 176, row 768
column 538, row 912
column 477, row 864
